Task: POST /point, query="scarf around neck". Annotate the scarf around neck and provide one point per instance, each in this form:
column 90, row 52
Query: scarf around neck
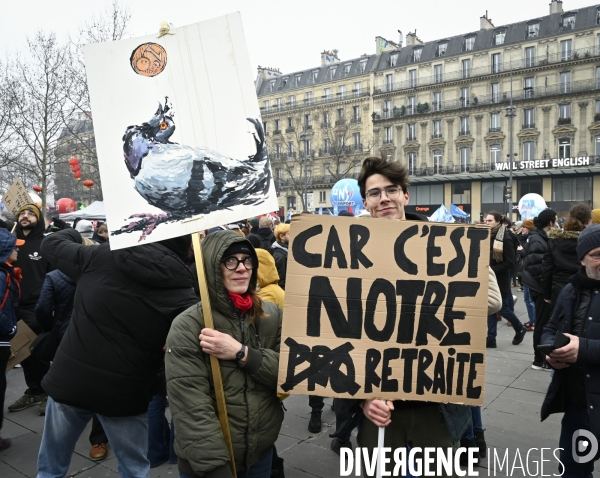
column 242, row 302
column 498, row 246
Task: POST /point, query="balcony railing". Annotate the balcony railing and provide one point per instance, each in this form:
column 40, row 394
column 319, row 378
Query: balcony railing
column 549, row 59
column 276, row 132
column 388, row 141
column 564, row 121
column 528, row 126
column 519, row 95
column 307, row 128
column 326, row 124
column 340, row 121
column 437, row 136
column 495, row 130
column 291, row 129
column 355, row 120
column 314, row 102
column 353, row 148
column 307, row 154
column 411, row 137
column 291, row 155
column 464, row 132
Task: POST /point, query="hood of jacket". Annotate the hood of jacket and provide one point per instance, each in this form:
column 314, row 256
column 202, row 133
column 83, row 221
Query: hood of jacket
column 153, row 265
column 36, row 233
column 556, row 233
column 538, row 232
column 213, row 248
column 267, row 271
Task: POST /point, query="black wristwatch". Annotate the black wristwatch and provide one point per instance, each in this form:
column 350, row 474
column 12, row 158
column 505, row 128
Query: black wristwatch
column 240, row 355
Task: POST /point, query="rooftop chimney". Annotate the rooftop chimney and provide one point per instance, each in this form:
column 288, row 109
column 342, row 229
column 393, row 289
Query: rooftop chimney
column 381, row 45
column 556, row 6
column 329, row 57
column 265, row 73
column 485, row 23
column 412, row 39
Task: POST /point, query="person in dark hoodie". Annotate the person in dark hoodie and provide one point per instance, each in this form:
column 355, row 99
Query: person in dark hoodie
column 536, row 248
column 9, row 302
column 280, row 251
column 264, row 237
column 560, row 262
column 101, row 234
column 108, row 361
column 34, row 267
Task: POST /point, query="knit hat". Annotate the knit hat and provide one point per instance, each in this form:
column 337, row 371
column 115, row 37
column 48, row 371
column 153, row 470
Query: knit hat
column 588, row 239
column 240, row 247
column 8, row 242
column 32, row 208
column 595, row 216
column 528, row 223
column 85, row 228
column 254, row 221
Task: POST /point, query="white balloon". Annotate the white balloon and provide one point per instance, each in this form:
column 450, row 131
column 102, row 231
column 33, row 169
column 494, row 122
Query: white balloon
column 531, row 205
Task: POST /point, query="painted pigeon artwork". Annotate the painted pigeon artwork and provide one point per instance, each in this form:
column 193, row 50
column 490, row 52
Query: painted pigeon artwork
column 186, row 181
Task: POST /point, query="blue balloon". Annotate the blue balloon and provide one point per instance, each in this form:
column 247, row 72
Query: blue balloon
column 345, row 195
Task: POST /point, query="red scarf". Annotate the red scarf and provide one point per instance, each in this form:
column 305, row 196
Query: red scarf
column 242, row 302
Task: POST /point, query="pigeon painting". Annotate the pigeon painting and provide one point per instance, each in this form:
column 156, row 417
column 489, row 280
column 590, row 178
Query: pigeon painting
column 185, row 181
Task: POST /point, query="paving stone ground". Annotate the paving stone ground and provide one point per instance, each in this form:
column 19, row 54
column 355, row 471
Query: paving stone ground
column 511, row 417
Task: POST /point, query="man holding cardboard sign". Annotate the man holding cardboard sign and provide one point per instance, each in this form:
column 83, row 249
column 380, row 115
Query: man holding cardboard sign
column 390, row 311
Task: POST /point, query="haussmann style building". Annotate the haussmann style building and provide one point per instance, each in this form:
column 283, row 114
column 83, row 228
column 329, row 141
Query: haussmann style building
column 444, row 109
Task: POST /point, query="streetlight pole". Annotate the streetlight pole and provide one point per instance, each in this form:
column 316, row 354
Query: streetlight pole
column 510, row 113
column 305, row 188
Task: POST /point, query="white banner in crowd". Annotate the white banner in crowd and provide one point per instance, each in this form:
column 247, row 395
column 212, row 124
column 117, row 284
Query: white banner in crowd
column 178, row 132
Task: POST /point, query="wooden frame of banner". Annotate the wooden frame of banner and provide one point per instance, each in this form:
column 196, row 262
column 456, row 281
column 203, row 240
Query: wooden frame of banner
column 214, row 362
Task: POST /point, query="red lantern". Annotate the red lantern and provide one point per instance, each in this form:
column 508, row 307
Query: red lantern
column 37, row 189
column 77, row 175
column 73, row 161
column 65, row 205
column 76, row 169
column 88, row 183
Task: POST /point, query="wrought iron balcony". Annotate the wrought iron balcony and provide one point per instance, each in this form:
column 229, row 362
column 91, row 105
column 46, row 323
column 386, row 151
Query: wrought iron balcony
column 291, row 129
column 437, row 136
column 530, row 125
column 388, row 141
column 314, row 102
column 495, row 130
column 355, row 120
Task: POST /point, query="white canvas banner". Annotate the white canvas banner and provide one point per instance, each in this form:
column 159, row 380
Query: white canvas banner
column 178, row 132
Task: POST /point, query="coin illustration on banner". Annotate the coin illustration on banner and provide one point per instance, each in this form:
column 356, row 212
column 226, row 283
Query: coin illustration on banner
column 148, row 59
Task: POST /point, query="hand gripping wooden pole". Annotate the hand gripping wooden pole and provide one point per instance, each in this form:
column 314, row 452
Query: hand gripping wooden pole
column 214, row 362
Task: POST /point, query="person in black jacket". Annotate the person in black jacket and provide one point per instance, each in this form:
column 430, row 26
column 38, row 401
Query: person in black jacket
column 280, row 251
column 34, row 267
column 502, row 261
column 108, row 360
column 264, row 237
column 575, row 387
column 536, row 248
column 560, row 261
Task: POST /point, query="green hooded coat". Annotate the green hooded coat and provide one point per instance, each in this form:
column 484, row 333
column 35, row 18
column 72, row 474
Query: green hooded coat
column 254, row 411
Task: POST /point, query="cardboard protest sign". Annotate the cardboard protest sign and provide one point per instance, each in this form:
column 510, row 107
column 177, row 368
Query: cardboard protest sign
column 15, row 197
column 19, row 345
column 179, row 137
column 385, row 309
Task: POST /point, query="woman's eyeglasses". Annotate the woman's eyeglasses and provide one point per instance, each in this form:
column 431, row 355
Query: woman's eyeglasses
column 232, row 263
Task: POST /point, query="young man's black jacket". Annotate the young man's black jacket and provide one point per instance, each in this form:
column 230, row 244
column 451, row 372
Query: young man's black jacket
column 109, row 358
column 577, row 312
column 560, row 262
column 33, row 264
column 537, row 245
column 503, row 269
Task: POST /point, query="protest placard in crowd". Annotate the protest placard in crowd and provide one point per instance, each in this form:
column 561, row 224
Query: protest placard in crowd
column 385, row 309
column 16, row 197
column 178, row 132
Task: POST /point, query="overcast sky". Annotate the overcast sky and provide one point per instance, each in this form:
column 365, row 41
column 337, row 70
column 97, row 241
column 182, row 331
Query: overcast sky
column 284, row 34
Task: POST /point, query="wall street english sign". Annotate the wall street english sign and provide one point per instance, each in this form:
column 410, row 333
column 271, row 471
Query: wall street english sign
column 543, row 164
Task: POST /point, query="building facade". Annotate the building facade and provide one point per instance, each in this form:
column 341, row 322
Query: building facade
column 444, row 109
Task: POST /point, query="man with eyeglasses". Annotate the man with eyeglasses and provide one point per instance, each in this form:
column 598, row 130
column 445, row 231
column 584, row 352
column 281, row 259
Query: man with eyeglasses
column 384, row 188
column 575, row 386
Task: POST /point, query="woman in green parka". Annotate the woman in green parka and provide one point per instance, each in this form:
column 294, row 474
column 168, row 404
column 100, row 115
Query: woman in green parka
column 246, row 341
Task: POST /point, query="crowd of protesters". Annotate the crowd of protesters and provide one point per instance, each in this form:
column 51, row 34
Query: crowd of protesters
column 119, row 366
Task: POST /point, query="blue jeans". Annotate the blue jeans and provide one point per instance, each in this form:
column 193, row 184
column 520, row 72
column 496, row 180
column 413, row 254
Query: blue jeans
column 508, row 312
column 128, row 437
column 530, row 304
column 262, row 469
column 475, row 425
column 160, row 436
column 575, row 418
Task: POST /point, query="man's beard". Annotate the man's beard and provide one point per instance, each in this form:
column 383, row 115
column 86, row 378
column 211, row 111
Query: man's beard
column 28, row 225
column 593, row 273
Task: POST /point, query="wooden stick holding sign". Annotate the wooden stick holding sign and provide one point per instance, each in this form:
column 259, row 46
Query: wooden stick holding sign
column 214, row 361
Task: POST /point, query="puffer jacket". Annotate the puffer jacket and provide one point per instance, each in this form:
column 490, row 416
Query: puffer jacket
column 254, row 411
column 8, row 311
column 109, row 358
column 268, row 279
column 560, row 262
column 537, row 245
column 57, row 291
column 280, row 254
column 577, row 307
